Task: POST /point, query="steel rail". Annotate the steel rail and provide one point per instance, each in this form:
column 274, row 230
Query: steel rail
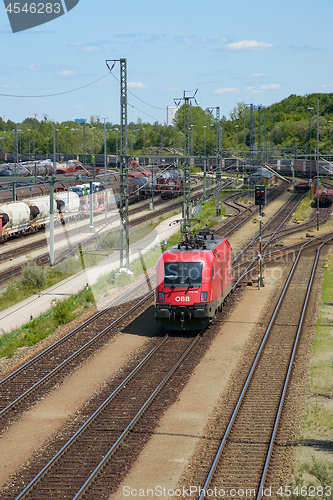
column 247, row 270
column 257, row 235
column 251, row 261
column 96, row 471
column 90, row 420
column 72, row 332
column 300, row 227
column 281, row 253
column 249, row 377
column 287, row 378
column 72, row 356
column 246, row 217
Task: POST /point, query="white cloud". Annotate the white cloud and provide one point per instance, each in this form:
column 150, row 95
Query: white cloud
column 66, row 73
column 258, row 75
column 222, row 91
column 75, row 44
column 94, row 48
column 249, row 45
column 191, row 40
column 137, row 85
column 44, row 67
column 271, row 86
column 198, row 40
column 5, row 86
column 173, row 89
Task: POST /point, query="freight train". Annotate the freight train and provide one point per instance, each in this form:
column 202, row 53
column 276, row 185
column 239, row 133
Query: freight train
column 166, row 181
column 30, row 214
column 302, row 168
column 40, row 168
column 302, row 187
column 194, row 279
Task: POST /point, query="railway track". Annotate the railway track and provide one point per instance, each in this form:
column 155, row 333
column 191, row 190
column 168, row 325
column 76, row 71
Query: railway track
column 272, row 231
column 114, row 430
column 34, row 379
column 231, row 202
column 241, row 450
column 95, row 458
column 246, row 214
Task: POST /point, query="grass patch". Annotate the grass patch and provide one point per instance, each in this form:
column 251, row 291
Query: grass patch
column 313, row 480
column 318, row 419
column 63, row 311
column 304, row 208
column 33, row 280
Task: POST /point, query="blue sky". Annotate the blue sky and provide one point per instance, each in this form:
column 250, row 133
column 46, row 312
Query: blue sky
column 258, row 52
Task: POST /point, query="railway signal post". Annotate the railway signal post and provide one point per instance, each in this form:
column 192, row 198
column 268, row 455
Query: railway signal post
column 260, row 199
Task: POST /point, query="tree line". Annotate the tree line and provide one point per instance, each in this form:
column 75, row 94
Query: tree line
column 283, row 124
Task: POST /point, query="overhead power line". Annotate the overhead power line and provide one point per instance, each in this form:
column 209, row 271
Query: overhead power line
column 58, row 93
column 134, row 107
column 144, row 102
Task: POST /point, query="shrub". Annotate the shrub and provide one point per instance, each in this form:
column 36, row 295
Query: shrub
column 33, row 277
column 63, row 312
column 109, row 240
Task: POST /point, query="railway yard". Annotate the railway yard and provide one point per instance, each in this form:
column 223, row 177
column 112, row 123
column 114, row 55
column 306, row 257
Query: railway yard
column 112, row 406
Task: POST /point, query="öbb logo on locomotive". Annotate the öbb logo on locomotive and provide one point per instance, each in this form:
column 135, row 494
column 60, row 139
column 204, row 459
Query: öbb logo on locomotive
column 183, row 299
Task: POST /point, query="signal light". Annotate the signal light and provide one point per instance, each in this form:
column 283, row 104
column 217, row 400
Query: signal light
column 260, row 195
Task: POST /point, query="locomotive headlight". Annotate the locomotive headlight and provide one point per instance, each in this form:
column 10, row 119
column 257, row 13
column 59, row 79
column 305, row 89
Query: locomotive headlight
column 161, row 296
column 203, row 297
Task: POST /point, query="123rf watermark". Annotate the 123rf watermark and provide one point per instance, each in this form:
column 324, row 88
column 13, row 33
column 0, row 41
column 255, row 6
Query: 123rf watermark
column 24, row 15
column 195, row 491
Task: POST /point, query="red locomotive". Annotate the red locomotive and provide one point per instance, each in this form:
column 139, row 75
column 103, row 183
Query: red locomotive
column 193, row 280
column 169, row 183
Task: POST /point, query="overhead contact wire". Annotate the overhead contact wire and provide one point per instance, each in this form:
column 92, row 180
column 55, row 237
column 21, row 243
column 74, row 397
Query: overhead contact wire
column 59, row 93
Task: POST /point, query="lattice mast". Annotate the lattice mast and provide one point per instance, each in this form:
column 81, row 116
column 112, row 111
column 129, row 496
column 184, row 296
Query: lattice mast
column 187, row 172
column 123, row 195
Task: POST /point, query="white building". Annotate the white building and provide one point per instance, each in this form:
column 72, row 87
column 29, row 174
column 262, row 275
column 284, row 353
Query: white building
column 171, row 112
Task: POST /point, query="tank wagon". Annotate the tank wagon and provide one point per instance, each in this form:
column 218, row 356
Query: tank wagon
column 194, row 279
column 25, row 217
column 14, row 219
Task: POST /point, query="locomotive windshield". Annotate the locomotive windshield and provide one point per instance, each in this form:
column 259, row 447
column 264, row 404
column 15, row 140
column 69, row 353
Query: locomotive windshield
column 182, row 273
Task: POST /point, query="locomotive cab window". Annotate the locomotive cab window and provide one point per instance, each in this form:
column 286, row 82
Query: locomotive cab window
column 213, row 273
column 187, row 274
